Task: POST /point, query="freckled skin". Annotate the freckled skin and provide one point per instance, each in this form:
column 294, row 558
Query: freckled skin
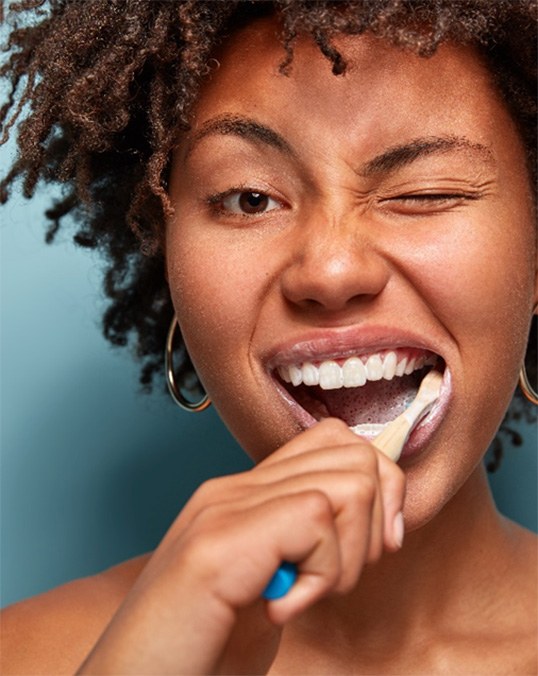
column 337, row 247
column 330, row 257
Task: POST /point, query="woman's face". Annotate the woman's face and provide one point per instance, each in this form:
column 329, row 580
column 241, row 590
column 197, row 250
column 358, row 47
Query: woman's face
column 323, row 219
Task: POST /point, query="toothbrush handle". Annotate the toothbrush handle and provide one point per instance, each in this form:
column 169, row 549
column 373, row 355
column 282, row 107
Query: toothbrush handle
column 390, row 442
column 281, row 582
column 392, row 439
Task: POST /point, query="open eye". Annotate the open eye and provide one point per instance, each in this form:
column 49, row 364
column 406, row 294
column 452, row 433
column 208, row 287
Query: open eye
column 248, row 203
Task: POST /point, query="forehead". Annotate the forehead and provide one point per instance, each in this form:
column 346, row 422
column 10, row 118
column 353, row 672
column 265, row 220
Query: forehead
column 385, row 90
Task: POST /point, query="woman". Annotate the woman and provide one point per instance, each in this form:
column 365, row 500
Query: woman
column 319, row 185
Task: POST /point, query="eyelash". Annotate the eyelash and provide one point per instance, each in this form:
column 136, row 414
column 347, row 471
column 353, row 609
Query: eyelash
column 426, row 204
column 422, row 200
column 434, row 197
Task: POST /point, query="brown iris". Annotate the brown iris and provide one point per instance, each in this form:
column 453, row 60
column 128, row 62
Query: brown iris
column 253, row 202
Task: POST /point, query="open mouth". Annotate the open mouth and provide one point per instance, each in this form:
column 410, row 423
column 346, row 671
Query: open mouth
column 365, row 391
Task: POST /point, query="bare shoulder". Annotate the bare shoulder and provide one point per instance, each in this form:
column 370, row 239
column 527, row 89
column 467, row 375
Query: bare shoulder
column 52, row 633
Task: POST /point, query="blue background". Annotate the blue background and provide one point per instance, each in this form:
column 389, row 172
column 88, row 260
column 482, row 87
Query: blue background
column 92, row 471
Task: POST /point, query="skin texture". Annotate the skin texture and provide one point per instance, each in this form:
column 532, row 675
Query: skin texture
column 339, row 254
column 344, row 248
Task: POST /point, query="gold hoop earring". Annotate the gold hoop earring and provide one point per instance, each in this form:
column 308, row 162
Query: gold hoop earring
column 526, row 387
column 174, row 390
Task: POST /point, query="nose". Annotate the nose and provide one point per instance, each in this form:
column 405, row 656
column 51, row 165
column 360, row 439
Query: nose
column 333, row 264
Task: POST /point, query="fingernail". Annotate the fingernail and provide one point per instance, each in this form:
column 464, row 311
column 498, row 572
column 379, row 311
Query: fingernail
column 398, row 529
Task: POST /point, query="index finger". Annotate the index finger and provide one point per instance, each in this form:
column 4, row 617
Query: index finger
column 328, row 432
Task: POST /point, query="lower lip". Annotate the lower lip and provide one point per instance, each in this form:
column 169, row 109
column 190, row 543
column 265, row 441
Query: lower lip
column 419, row 438
column 303, row 417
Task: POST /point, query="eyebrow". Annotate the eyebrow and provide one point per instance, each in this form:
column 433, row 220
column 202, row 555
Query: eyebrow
column 244, row 127
column 401, row 155
column 389, row 160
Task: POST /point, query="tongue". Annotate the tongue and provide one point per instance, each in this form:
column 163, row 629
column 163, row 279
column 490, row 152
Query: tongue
column 375, row 402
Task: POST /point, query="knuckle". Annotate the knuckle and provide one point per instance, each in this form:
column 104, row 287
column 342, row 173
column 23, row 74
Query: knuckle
column 200, row 552
column 196, row 509
column 366, row 488
column 334, row 426
column 358, row 490
column 370, row 459
column 214, row 490
column 209, row 519
column 317, row 505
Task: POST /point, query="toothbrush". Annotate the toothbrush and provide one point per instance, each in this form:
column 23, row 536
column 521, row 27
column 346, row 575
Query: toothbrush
column 392, row 439
column 390, row 442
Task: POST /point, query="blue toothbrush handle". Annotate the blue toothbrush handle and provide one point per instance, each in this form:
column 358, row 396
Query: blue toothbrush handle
column 281, row 582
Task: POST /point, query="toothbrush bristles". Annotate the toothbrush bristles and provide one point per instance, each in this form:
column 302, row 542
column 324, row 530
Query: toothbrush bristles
column 392, row 439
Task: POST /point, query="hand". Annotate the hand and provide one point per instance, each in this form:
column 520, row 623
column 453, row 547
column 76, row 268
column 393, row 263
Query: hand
column 327, row 500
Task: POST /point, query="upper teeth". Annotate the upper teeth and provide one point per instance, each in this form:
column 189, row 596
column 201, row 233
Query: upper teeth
column 354, row 371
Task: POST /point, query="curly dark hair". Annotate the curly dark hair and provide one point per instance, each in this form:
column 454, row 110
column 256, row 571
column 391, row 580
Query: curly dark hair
column 100, row 89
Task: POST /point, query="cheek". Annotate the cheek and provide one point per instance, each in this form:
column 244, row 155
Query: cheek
column 476, row 285
column 214, row 290
column 478, row 279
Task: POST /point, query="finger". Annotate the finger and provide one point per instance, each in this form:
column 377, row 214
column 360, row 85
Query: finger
column 236, row 551
column 331, row 433
column 274, row 467
column 320, row 568
column 349, row 477
column 354, row 497
column 377, row 522
column 355, row 455
column 328, row 432
column 393, row 484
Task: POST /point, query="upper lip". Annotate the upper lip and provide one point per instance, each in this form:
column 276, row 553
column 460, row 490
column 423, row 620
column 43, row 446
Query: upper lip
column 336, row 343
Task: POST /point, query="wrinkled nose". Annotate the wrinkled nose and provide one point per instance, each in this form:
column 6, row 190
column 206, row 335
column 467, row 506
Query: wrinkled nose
column 333, row 266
